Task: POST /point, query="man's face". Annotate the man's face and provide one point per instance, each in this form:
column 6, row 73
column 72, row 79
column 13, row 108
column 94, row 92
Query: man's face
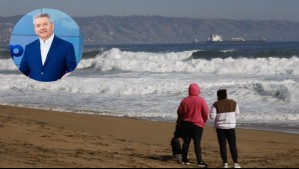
column 43, row 27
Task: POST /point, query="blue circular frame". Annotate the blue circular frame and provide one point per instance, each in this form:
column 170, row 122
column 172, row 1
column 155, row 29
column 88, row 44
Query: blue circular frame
column 65, row 28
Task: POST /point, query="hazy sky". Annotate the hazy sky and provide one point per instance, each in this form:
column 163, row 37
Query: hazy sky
column 228, row 9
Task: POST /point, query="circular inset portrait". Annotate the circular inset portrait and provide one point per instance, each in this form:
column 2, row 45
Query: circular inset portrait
column 46, row 45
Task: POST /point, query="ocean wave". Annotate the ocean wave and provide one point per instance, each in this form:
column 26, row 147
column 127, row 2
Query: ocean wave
column 7, row 64
column 154, row 95
column 254, row 54
column 286, row 90
column 142, row 85
column 180, row 62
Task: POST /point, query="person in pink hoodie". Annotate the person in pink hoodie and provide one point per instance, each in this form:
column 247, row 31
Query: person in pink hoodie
column 194, row 113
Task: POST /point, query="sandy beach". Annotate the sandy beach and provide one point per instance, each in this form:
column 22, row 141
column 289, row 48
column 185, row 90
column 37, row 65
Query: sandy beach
column 41, row 138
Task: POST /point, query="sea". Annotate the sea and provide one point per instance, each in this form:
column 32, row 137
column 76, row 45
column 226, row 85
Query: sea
column 148, row 81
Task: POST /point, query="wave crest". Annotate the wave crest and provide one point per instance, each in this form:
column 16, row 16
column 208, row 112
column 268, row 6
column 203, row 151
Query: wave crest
column 180, row 62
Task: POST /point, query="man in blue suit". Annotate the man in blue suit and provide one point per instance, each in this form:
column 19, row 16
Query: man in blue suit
column 48, row 58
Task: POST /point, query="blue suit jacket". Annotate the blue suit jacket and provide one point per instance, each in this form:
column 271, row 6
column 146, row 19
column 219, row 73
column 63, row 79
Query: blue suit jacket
column 60, row 60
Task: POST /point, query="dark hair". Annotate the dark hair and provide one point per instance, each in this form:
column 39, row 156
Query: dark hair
column 221, row 94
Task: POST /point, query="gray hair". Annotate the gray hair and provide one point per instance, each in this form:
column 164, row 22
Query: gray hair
column 41, row 15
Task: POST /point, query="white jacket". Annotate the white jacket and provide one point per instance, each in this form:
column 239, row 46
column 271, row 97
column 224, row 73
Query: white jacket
column 225, row 120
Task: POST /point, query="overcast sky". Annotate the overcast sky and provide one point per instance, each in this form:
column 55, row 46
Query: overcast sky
column 227, row 9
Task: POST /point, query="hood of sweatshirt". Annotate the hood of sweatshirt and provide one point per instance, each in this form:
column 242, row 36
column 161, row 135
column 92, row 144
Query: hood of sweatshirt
column 194, row 90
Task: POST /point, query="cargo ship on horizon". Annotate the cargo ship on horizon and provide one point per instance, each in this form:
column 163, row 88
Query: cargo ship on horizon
column 216, row 38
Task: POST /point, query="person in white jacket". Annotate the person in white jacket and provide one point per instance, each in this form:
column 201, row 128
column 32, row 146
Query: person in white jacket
column 224, row 112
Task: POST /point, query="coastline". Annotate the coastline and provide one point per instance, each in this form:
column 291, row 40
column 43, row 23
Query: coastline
column 43, row 138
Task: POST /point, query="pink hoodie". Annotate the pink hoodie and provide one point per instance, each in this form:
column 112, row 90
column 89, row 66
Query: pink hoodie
column 194, row 108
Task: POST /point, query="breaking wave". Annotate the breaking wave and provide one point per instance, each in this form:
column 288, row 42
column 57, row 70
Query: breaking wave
column 180, row 62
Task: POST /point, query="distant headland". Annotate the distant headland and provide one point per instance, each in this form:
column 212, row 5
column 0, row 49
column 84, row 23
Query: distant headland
column 158, row 29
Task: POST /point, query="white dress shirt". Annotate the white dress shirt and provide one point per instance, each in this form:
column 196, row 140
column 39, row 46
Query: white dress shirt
column 45, row 47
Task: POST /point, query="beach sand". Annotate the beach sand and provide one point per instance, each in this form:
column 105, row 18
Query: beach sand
column 40, row 138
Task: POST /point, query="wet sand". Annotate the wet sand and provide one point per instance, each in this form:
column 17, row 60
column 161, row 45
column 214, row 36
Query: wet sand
column 41, row 138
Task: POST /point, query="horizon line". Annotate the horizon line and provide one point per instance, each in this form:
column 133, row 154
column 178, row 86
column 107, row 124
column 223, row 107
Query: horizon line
column 169, row 17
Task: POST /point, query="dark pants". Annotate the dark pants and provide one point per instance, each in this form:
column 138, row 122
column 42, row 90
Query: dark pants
column 194, row 132
column 230, row 136
column 175, row 141
column 176, row 146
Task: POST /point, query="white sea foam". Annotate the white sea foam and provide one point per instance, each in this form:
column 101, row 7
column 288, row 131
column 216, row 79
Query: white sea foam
column 7, row 64
column 167, row 84
column 286, row 90
column 179, row 62
column 116, row 59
